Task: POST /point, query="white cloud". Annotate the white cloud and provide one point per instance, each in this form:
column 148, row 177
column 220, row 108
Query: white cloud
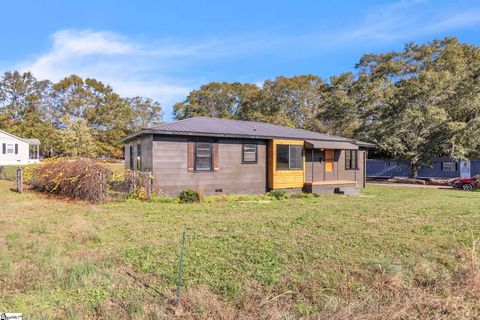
column 130, row 67
column 406, row 20
column 162, row 68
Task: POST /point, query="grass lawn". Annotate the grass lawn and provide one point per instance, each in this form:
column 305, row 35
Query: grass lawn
column 392, row 253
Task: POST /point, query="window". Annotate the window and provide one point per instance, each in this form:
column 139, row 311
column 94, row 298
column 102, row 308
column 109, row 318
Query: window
column 351, row 160
column 296, row 160
column 289, row 157
column 131, row 157
column 392, row 163
column 10, row 148
column 282, row 157
column 203, row 156
column 249, row 153
column 449, row 166
column 139, row 156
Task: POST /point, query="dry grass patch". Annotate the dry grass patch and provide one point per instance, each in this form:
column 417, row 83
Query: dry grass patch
column 396, row 254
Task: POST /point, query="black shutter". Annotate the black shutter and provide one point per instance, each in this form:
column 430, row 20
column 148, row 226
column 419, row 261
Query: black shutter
column 16, row 148
column 4, row 148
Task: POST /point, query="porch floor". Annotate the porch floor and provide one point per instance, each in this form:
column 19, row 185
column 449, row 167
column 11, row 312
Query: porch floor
column 328, row 182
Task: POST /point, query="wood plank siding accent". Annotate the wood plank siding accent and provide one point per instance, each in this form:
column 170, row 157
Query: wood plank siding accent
column 282, row 179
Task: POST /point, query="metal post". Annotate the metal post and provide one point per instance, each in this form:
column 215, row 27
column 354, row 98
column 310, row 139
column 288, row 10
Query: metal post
column 313, row 160
column 180, row 268
column 20, row 180
column 148, row 185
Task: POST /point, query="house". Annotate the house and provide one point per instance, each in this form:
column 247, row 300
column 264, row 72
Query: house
column 440, row 168
column 214, row 155
column 18, row 151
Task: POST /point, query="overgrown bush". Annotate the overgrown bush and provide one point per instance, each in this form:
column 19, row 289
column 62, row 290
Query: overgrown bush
column 132, row 184
column 277, row 194
column 83, row 179
column 189, row 196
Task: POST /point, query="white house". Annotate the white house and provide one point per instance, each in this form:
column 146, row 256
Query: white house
column 18, row 151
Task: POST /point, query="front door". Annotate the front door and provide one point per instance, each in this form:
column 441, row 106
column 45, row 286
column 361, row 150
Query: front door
column 329, row 164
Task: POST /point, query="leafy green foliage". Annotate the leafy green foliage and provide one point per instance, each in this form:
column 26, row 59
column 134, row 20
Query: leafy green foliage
column 189, row 196
column 422, row 102
column 416, row 104
column 73, row 117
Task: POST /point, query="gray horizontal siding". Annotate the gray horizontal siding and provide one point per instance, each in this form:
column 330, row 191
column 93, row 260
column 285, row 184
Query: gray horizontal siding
column 171, row 175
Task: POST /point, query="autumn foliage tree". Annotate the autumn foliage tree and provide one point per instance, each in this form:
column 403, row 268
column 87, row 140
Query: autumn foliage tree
column 75, row 116
column 418, row 103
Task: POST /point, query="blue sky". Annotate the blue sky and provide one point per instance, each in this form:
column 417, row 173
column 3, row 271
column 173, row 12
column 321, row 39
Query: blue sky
column 164, row 49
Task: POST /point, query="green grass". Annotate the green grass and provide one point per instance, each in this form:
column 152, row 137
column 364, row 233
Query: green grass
column 8, row 173
column 86, row 260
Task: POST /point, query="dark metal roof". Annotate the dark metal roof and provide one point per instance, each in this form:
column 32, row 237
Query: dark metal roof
column 216, row 127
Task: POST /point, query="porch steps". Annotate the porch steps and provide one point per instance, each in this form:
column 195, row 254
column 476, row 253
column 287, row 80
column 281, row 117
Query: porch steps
column 351, row 192
column 347, row 192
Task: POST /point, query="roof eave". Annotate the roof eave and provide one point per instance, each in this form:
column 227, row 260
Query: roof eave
column 221, row 135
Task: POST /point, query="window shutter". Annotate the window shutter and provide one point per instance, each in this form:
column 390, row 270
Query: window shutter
column 4, row 148
column 190, row 156
column 16, row 148
column 216, row 156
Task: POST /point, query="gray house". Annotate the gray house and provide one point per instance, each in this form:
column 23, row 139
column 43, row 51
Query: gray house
column 440, row 168
column 214, row 155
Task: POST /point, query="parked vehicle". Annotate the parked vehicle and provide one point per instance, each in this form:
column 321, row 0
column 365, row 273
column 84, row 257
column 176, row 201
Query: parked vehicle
column 466, row 184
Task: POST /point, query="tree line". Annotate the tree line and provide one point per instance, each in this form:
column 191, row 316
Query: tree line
column 73, row 117
column 417, row 104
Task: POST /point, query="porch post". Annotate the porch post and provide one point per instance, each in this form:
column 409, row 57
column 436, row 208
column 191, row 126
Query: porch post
column 313, row 159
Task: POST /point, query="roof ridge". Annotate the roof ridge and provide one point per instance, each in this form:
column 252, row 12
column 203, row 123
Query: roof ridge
column 12, row 135
column 170, row 122
column 226, row 127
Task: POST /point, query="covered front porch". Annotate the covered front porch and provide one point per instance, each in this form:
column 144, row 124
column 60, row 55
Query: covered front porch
column 33, row 150
column 330, row 165
column 315, row 165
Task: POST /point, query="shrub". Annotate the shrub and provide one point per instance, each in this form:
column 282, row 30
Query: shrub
column 277, row 194
column 83, row 179
column 303, row 195
column 189, row 196
column 132, row 184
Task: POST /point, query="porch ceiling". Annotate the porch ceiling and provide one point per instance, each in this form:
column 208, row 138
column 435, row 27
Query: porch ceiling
column 315, row 144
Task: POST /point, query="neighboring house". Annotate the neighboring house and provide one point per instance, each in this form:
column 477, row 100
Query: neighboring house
column 214, row 155
column 18, row 151
column 442, row 168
